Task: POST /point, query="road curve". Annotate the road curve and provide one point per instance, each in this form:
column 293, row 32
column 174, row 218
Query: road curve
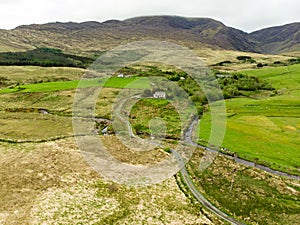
column 199, row 196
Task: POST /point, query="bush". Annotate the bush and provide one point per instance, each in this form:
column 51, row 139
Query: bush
column 279, row 63
column 223, row 63
column 167, row 149
column 232, row 86
column 294, row 61
column 259, row 65
column 174, row 78
column 243, row 58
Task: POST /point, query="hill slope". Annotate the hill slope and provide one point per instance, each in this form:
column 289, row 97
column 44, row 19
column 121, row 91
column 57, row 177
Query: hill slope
column 278, row 39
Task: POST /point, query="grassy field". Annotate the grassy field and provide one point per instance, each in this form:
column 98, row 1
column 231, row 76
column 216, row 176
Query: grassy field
column 19, row 105
column 155, row 108
column 265, row 130
column 113, row 82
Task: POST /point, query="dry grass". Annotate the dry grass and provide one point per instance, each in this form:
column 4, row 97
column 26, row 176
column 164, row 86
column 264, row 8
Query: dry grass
column 53, row 101
column 126, row 155
column 33, row 126
column 32, row 74
column 293, row 54
column 50, row 183
column 28, row 170
column 212, row 56
column 105, row 101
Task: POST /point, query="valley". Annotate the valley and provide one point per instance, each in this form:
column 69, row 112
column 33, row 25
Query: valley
column 47, row 179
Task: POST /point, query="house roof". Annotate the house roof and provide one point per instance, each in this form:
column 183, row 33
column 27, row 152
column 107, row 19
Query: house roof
column 160, row 93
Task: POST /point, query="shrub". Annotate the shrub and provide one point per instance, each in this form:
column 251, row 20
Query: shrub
column 294, row 61
column 243, row 58
column 167, row 149
column 260, row 65
column 223, row 63
column 174, row 78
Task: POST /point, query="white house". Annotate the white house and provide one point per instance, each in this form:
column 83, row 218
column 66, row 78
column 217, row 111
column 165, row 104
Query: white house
column 223, row 76
column 159, row 94
column 121, row 75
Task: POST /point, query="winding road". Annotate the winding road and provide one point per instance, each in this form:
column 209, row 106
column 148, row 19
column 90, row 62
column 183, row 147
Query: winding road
column 185, row 176
column 198, row 195
column 183, row 171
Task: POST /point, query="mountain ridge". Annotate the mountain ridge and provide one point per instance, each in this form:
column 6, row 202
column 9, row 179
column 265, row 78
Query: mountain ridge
column 194, row 32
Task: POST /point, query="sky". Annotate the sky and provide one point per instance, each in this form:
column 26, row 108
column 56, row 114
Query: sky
column 247, row 15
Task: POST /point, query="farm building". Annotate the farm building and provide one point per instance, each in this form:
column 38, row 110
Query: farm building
column 159, row 94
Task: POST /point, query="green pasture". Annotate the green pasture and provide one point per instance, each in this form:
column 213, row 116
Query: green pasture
column 266, row 130
column 282, row 78
column 113, row 82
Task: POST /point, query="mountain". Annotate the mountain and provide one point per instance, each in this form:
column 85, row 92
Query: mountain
column 197, row 30
column 91, row 37
column 278, row 39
